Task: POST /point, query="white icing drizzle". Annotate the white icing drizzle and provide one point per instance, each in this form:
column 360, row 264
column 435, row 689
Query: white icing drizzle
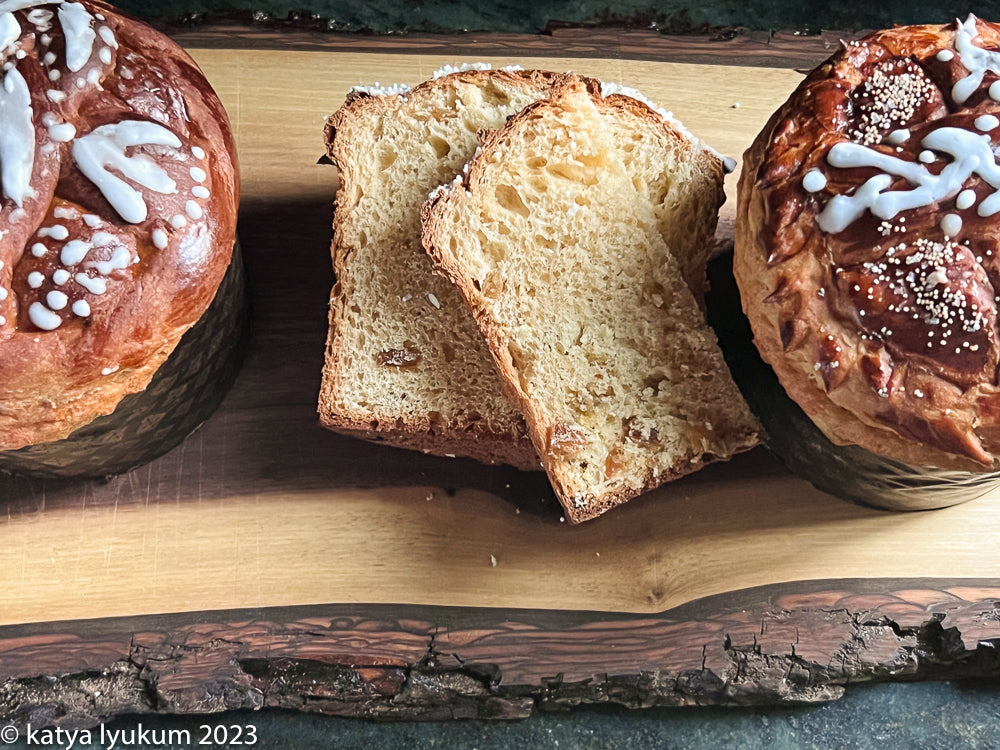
column 160, row 239
column 927, row 157
column 109, row 370
column 396, row 89
column 43, row 317
column 976, row 59
column 61, row 276
column 17, row 138
column 986, row 123
column 55, row 95
column 38, row 250
column 74, row 252
column 899, row 136
column 56, row 300
column 81, row 308
column 35, row 279
column 945, row 55
column 120, row 259
column 971, row 152
column 56, row 232
column 105, row 147
column 994, row 91
column 3, row 295
column 40, row 18
column 48, row 58
column 951, row 225
column 91, row 284
column 64, row 212
column 91, row 220
column 64, row 132
column 814, row 181
column 105, row 55
column 79, row 32
column 108, row 36
column 10, row 30
column 9, row 6
column 966, row 199
column 102, row 239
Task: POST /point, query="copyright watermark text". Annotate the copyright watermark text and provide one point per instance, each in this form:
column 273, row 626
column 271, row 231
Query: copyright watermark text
column 108, row 738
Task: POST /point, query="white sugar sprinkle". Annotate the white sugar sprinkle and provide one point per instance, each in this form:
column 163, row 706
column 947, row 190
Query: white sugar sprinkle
column 198, row 174
column 193, row 210
column 35, row 279
column 38, row 249
column 61, row 276
column 200, row 191
column 81, row 308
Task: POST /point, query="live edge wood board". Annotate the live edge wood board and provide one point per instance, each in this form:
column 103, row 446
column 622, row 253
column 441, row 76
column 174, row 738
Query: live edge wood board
column 266, row 562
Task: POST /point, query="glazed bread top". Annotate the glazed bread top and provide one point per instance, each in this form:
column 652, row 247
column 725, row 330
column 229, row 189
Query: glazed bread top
column 119, row 197
column 868, row 251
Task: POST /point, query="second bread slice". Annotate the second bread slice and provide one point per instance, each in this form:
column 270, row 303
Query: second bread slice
column 564, row 240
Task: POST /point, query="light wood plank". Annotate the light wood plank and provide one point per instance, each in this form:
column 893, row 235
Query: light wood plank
column 262, row 508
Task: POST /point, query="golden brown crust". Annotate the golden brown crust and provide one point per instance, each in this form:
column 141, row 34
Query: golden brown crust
column 112, row 295
column 882, row 328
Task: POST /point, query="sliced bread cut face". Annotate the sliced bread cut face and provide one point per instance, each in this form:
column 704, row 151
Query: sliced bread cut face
column 557, row 241
column 405, row 362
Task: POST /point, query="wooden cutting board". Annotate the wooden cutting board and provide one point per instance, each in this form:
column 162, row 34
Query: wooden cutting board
column 267, row 547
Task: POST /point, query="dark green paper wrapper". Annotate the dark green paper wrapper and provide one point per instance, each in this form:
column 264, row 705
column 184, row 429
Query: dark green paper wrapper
column 846, row 471
column 183, row 393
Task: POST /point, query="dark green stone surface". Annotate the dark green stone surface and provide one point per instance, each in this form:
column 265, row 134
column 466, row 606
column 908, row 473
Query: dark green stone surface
column 672, row 16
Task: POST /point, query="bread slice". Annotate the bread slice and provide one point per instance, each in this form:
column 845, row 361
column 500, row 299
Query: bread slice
column 564, row 238
column 405, row 362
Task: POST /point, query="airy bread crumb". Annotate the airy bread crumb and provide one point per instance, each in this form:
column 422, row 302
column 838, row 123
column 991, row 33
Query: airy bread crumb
column 570, row 238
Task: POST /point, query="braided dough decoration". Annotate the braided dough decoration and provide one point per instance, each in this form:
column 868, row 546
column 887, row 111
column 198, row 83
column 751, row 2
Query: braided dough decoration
column 118, row 210
column 868, row 250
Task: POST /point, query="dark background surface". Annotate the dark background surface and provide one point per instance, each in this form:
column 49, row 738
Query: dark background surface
column 532, row 16
column 927, row 715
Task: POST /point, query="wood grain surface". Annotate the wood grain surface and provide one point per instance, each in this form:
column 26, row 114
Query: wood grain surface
column 263, row 509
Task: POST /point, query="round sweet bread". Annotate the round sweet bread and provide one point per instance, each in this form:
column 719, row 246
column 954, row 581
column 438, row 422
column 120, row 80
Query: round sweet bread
column 868, row 245
column 118, row 212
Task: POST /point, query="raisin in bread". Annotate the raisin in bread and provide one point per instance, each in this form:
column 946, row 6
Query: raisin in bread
column 405, row 362
column 556, row 239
